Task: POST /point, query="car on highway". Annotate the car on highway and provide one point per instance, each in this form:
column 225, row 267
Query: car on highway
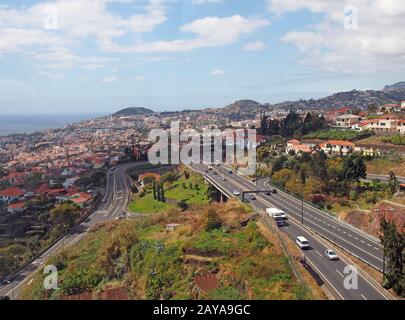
column 302, row 242
column 331, row 255
column 104, row 201
column 215, row 173
column 274, row 191
column 252, row 197
column 236, row 192
column 217, row 163
column 4, row 298
column 223, row 178
column 230, row 171
column 268, row 193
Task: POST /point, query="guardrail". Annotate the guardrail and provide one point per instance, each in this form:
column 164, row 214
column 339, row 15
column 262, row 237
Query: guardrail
column 330, row 214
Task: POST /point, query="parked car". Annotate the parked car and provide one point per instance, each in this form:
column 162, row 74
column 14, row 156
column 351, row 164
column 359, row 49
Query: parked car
column 331, row 255
column 302, row 242
column 252, row 197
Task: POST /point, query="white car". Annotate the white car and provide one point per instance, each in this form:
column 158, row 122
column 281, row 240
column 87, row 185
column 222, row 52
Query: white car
column 302, row 242
column 331, row 255
column 236, row 193
column 223, row 178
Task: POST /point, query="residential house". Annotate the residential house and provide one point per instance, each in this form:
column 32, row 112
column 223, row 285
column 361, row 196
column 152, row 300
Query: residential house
column 11, row 194
column 17, row 207
column 81, row 199
column 347, row 120
column 296, row 147
column 401, row 126
column 386, row 124
column 337, row 147
column 332, row 114
column 15, row 178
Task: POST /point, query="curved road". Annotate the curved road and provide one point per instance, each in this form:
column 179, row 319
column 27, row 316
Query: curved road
column 332, row 272
column 113, row 206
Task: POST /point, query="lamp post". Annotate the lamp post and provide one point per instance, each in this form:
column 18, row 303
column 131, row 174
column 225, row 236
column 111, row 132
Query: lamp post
column 303, row 180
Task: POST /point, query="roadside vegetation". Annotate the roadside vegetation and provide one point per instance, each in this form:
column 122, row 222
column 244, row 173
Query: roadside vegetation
column 335, row 134
column 176, row 188
column 209, row 255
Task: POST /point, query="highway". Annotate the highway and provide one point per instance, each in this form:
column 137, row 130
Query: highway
column 383, row 177
column 332, row 272
column 113, row 206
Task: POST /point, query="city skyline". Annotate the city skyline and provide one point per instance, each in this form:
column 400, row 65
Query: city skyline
column 175, row 55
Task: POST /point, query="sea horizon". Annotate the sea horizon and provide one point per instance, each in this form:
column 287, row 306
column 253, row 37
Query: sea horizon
column 29, row 123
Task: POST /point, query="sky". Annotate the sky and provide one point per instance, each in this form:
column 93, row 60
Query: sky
column 99, row 56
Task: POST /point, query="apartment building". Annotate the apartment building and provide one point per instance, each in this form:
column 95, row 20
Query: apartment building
column 347, row 120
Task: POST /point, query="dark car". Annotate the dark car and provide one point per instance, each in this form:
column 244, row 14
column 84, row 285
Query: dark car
column 4, row 298
column 268, row 193
column 252, row 197
column 274, row 190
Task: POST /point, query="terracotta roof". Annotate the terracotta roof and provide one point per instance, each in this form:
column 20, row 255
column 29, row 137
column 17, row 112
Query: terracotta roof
column 81, row 197
column 12, row 192
column 338, row 143
column 294, row 141
column 18, row 205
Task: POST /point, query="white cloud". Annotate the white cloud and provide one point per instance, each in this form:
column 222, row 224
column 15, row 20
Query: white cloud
column 255, row 46
column 217, row 72
column 206, row 1
column 109, row 79
column 210, row 32
column 139, row 79
column 377, row 45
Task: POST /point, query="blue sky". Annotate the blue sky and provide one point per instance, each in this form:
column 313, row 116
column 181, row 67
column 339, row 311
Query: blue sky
column 85, row 56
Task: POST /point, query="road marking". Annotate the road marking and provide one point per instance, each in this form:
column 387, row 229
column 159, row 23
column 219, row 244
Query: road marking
column 318, row 253
column 340, row 273
column 363, row 296
column 326, row 279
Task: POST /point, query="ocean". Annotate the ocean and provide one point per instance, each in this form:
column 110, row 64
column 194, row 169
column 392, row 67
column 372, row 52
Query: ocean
column 12, row 124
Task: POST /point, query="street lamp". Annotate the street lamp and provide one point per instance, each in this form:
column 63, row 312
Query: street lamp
column 303, row 180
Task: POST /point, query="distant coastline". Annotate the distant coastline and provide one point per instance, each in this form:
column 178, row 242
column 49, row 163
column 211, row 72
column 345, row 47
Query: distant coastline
column 29, row 123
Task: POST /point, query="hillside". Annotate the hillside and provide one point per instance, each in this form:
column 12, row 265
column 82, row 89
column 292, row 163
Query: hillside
column 396, row 86
column 355, row 99
column 134, row 111
column 205, row 257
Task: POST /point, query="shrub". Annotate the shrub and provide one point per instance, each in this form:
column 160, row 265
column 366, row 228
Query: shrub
column 213, row 221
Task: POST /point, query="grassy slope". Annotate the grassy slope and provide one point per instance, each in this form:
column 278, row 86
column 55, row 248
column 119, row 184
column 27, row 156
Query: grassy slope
column 175, row 191
column 150, row 262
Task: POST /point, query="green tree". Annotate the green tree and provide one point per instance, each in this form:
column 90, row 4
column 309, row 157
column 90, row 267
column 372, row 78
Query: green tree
column 64, row 216
column 213, row 193
column 213, row 221
column 393, row 183
column 393, row 242
column 182, row 205
column 354, row 168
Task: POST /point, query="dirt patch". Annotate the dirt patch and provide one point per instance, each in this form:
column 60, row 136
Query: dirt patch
column 363, row 220
column 369, row 221
column 206, row 283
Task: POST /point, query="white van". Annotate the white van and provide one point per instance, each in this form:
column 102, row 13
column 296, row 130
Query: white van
column 302, row 242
